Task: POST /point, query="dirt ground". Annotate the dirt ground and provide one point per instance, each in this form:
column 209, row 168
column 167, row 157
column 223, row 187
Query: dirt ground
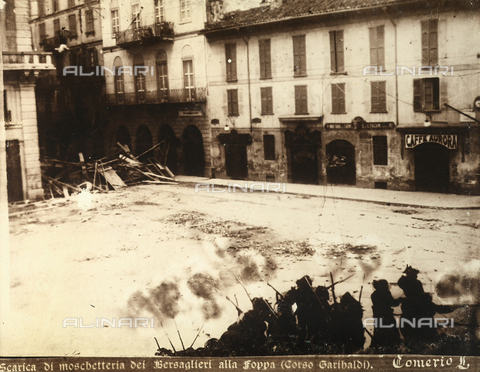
column 165, row 253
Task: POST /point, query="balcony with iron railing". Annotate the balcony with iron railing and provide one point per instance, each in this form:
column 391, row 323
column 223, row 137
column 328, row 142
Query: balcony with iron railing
column 197, row 95
column 27, row 61
column 145, row 35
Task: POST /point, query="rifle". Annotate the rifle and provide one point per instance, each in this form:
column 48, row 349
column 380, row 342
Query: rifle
column 173, row 347
column 240, row 311
column 277, row 292
column 198, row 334
column 319, row 301
column 340, row 281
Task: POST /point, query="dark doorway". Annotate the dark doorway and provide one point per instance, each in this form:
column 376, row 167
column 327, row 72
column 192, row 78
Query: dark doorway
column 303, row 145
column 14, row 172
column 432, row 168
column 236, row 161
column 235, row 145
column 167, row 149
column 143, row 143
column 123, row 136
column 304, row 163
column 193, row 156
column 341, row 163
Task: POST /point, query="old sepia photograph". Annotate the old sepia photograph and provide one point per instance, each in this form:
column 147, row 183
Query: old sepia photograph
column 240, row 184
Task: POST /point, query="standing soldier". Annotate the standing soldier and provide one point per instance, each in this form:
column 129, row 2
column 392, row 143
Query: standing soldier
column 386, row 337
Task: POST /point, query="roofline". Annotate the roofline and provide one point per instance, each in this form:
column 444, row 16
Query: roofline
column 311, row 16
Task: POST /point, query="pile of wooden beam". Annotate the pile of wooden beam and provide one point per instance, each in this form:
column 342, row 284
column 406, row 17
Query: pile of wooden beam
column 62, row 178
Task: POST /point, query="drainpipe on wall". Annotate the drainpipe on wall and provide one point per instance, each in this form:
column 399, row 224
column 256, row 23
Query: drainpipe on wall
column 245, row 39
column 396, row 75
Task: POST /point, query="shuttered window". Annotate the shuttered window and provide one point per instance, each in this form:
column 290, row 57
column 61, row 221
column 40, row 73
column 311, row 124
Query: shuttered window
column 56, row 27
column 299, row 56
column 267, row 101
column 301, row 100
column 41, row 8
column 338, row 99
column 42, row 31
column 379, row 96
column 426, row 94
column 72, row 25
column 430, row 42
column 377, row 47
column 380, row 150
column 89, row 21
column 232, row 97
column 336, row 51
column 231, row 61
column 269, row 146
column 265, row 59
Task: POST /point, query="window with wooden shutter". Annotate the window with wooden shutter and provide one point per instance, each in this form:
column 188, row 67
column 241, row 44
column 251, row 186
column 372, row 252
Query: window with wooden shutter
column 430, row 42
column 299, row 56
column 338, row 98
column 231, row 61
column 72, row 25
column 41, row 8
column 301, row 100
column 380, row 150
column 269, row 146
column 265, row 59
column 232, row 97
column 267, row 101
column 377, row 47
column 89, row 21
column 379, row 96
column 56, row 27
column 426, row 94
column 42, row 32
column 336, row 51
column 71, row 3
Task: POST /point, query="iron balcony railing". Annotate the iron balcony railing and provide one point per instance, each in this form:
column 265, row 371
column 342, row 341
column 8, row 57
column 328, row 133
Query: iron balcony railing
column 157, row 97
column 145, row 34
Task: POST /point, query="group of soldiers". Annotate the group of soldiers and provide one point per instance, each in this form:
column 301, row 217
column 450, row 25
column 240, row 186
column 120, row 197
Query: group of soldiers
column 312, row 320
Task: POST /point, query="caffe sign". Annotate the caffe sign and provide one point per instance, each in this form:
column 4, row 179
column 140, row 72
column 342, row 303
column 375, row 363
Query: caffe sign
column 447, row 140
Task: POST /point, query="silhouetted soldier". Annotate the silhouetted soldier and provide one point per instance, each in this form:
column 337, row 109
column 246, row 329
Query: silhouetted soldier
column 353, row 315
column 386, row 336
column 415, row 306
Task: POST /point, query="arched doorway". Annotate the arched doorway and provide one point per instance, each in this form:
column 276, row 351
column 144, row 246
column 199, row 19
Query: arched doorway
column 432, row 168
column 123, row 135
column 193, row 156
column 341, row 168
column 143, row 142
column 168, row 148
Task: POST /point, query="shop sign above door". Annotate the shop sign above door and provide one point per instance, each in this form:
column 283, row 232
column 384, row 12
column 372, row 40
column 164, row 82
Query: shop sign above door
column 447, row 140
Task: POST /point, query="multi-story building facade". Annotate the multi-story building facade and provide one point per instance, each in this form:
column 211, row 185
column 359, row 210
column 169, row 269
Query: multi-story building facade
column 157, row 81
column 22, row 66
column 327, row 92
column 70, row 111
